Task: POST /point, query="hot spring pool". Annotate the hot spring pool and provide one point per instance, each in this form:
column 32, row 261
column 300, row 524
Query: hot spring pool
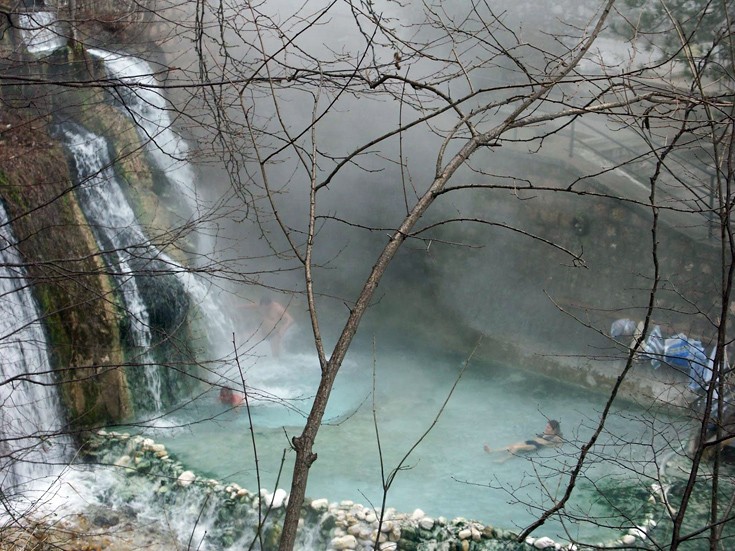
column 448, row 474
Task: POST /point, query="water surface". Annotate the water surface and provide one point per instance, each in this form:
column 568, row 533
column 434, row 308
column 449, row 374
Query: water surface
column 448, row 474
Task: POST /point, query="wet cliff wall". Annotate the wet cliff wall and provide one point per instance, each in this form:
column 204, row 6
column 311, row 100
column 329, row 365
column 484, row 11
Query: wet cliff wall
column 76, row 291
column 69, row 279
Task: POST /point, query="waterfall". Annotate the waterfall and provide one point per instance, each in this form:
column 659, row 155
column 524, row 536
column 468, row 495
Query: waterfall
column 118, row 236
column 32, row 446
column 40, row 32
column 145, row 101
column 134, row 259
column 114, row 224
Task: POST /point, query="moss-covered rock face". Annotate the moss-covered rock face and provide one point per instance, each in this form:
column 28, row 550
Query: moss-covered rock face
column 79, row 299
column 68, row 277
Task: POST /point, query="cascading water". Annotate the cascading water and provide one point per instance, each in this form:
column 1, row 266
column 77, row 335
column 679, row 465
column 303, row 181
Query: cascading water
column 40, row 32
column 32, row 444
column 135, row 260
column 144, row 100
column 118, row 234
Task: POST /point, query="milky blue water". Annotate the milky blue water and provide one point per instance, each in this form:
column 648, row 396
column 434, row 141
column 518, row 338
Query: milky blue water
column 448, row 474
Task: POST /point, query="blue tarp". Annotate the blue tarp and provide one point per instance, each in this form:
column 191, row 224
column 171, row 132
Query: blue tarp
column 654, row 347
column 681, row 352
column 688, row 354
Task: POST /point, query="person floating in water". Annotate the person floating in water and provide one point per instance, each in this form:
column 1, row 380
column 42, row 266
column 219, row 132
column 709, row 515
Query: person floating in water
column 550, row 437
column 274, row 322
column 230, row 397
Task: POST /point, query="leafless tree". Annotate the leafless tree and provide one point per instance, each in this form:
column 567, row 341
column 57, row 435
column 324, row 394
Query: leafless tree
column 273, row 107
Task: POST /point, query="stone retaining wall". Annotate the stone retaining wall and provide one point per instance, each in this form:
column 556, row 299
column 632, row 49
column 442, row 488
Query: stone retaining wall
column 235, row 512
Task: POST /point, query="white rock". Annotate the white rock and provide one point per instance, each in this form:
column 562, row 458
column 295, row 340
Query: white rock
column 427, row 523
column 186, row 478
column 370, row 517
column 380, row 536
column 123, row 461
column 465, row 534
column 148, row 442
column 638, row 532
column 386, row 527
column 157, row 448
column 346, row 504
column 355, row 530
column 278, row 499
column 320, row 504
column 344, row 542
column 418, row 514
column 242, row 492
column 476, row 536
column 627, row 539
column 388, row 546
column 543, row 542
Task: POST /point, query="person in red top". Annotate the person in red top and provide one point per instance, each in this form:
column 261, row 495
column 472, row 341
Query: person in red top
column 230, row 397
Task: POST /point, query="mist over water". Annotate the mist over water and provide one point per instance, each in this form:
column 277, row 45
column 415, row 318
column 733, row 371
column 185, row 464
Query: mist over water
column 371, row 192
